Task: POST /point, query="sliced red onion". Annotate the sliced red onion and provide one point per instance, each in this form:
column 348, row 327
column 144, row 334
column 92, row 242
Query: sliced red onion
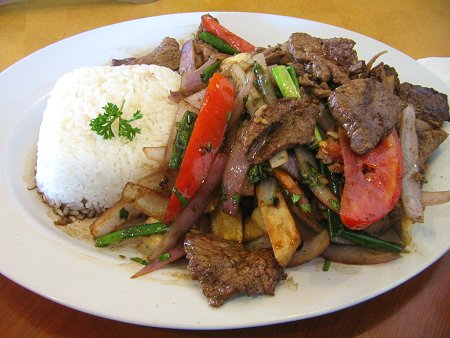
column 174, row 254
column 235, row 174
column 279, row 159
column 322, row 192
column 238, row 106
column 194, row 209
column 411, row 192
column 353, row 254
column 191, row 80
column 187, row 59
column 291, row 167
column 196, row 99
column 435, row 197
column 259, row 58
column 266, row 191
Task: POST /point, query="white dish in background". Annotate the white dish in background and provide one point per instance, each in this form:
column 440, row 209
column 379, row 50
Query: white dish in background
column 38, row 256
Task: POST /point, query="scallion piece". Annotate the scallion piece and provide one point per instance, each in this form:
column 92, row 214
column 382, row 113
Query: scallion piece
column 365, row 239
column 291, row 71
column 284, row 82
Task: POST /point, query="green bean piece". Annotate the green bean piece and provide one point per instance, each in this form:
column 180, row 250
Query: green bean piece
column 184, row 131
column 135, row 231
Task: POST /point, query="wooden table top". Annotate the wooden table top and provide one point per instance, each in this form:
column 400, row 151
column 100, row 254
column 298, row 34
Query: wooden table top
column 418, row 308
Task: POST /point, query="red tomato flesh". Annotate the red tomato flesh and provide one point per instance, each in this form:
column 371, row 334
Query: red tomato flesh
column 205, row 141
column 372, row 181
column 212, row 26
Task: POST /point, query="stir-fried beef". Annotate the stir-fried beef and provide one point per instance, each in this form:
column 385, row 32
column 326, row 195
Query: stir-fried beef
column 386, row 75
column 167, row 54
column 203, row 51
column 225, row 268
column 367, row 110
column 277, row 55
column 281, row 126
column 430, row 105
column 325, row 59
column 428, row 142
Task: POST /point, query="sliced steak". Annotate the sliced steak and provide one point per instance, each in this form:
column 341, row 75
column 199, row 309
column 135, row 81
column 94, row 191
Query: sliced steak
column 277, row 55
column 325, row 59
column 430, row 105
column 428, row 141
column 226, row 269
column 386, row 75
column 367, row 110
column 167, row 54
column 286, row 123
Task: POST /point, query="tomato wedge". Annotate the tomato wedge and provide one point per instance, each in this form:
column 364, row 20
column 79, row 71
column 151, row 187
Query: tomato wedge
column 205, row 141
column 372, row 181
column 211, row 25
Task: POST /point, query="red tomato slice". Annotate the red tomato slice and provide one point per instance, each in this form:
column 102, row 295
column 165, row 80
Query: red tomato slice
column 372, row 181
column 212, row 26
column 205, row 141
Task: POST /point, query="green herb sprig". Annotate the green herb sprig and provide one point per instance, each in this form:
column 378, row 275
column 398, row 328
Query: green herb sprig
column 102, row 124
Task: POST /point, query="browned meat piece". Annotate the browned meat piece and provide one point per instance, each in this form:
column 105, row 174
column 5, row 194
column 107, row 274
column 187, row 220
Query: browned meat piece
column 277, row 55
column 367, row 110
column 203, row 51
column 428, row 141
column 430, row 105
column 386, row 75
column 325, row 59
column 167, row 54
column 286, row 123
column 226, row 269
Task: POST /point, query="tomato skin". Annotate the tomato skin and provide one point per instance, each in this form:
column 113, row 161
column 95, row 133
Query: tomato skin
column 372, row 181
column 205, row 141
column 212, row 26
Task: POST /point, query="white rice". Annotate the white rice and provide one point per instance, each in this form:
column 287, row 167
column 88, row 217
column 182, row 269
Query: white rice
column 76, row 168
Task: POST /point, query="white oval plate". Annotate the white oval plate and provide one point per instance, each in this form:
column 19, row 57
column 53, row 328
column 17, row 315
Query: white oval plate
column 35, row 254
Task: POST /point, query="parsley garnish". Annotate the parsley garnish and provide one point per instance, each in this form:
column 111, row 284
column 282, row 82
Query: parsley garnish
column 139, row 260
column 164, row 257
column 102, row 124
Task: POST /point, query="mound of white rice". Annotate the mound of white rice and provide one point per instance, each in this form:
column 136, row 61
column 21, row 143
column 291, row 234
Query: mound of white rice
column 78, row 169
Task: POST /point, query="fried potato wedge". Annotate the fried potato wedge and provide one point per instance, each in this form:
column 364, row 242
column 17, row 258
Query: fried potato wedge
column 226, row 226
column 280, row 225
column 114, row 217
column 254, row 226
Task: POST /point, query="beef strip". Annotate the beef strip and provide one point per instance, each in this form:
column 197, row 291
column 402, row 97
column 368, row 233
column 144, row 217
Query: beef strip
column 203, row 51
column 325, row 59
column 277, row 55
column 226, row 269
column 430, row 105
column 286, row 123
column 167, row 54
column 386, row 75
column 367, row 110
column 428, row 141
